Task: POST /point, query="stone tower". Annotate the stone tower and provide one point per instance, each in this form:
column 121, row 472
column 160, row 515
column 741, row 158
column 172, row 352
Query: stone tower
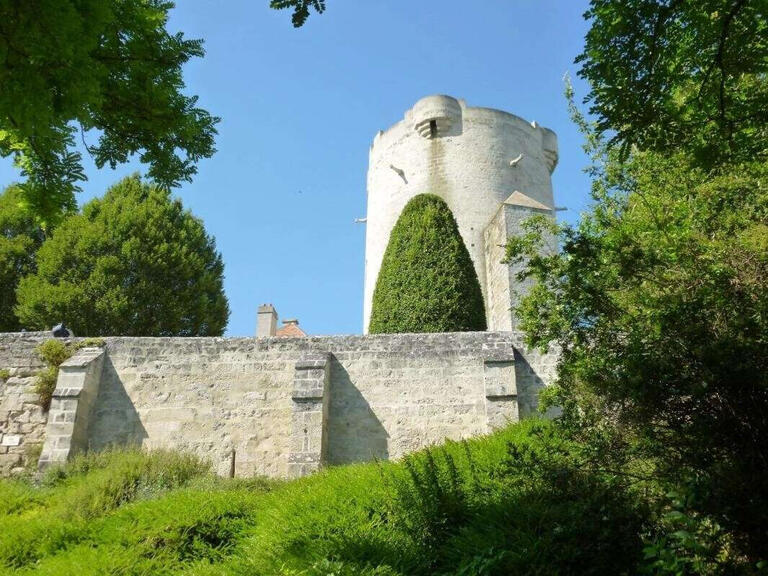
column 491, row 167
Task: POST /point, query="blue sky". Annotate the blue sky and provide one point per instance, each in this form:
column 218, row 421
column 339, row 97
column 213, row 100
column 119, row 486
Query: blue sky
column 300, row 108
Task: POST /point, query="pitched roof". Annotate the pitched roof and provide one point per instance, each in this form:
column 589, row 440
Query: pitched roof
column 290, row 329
column 520, row 199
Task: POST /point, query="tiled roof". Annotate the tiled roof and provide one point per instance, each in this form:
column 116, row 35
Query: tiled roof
column 290, row 330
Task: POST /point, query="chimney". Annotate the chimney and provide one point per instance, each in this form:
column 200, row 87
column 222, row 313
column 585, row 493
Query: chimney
column 266, row 323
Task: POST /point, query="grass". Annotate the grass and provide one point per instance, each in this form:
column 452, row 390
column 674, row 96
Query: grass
column 504, row 504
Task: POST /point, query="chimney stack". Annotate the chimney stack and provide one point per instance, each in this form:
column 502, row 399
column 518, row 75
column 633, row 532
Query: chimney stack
column 266, row 323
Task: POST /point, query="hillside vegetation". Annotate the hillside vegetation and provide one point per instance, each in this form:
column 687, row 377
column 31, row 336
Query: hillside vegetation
column 514, row 502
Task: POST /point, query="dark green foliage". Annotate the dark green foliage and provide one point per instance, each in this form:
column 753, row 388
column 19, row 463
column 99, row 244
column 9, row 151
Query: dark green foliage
column 427, row 282
column 134, row 263
column 675, row 74
column 67, row 67
column 659, row 298
column 20, row 237
column 537, row 510
column 659, row 303
column 685, row 542
column 300, row 9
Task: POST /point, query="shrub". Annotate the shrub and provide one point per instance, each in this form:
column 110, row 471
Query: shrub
column 54, row 352
column 133, row 263
column 45, row 384
column 37, row 522
column 117, row 477
column 427, row 281
column 517, row 502
column 525, row 508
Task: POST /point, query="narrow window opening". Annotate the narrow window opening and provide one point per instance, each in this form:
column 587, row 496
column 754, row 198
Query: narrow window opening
column 432, row 128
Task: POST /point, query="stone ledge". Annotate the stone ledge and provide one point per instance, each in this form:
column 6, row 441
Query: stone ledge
column 67, row 392
column 81, row 358
column 312, row 362
column 307, row 394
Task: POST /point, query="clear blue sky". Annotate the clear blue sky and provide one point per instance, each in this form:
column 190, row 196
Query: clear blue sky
column 300, row 107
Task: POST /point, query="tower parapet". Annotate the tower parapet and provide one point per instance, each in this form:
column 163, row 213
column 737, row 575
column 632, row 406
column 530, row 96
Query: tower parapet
column 475, row 159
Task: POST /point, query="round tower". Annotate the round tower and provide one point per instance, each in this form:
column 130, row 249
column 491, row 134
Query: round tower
column 476, row 159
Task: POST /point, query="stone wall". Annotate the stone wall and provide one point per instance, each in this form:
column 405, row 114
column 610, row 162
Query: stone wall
column 283, row 406
column 22, row 420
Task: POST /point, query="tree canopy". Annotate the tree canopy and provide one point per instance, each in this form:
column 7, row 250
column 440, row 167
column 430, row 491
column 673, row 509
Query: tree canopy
column 133, row 263
column 427, row 281
column 300, row 9
column 20, row 237
column 680, row 73
column 659, row 297
column 69, row 67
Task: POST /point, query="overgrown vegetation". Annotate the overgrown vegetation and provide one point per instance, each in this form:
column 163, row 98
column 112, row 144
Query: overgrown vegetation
column 427, row 281
column 54, row 352
column 521, row 501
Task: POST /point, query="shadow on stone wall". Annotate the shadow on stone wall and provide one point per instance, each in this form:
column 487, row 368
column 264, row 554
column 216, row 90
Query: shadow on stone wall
column 355, row 434
column 114, row 420
column 529, row 384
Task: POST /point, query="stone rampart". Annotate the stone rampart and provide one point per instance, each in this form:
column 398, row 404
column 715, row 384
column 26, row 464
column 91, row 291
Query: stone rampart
column 275, row 406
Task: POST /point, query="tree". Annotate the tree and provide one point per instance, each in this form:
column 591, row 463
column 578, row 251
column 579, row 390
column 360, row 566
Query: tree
column 134, row 263
column 662, row 304
column 300, row 9
column 658, row 299
column 427, row 281
column 71, row 66
column 20, row 237
column 680, row 73
column 659, row 303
